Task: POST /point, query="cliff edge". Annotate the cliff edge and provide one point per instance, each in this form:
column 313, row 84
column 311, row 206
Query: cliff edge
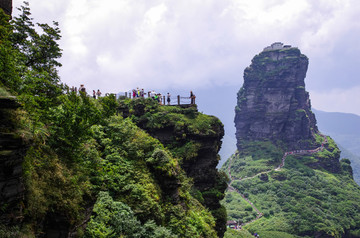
column 193, row 138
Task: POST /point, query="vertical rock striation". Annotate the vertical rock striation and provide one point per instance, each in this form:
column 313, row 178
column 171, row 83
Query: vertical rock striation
column 273, row 103
column 12, row 150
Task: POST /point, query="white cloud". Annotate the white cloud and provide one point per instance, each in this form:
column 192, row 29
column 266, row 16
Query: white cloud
column 327, row 21
column 155, row 14
column 121, row 44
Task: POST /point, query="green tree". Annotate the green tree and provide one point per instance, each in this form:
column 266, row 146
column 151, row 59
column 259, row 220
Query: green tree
column 116, row 219
column 9, row 77
column 71, row 123
column 37, row 62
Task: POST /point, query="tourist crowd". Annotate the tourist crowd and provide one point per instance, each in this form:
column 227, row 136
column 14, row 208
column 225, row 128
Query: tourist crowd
column 137, row 93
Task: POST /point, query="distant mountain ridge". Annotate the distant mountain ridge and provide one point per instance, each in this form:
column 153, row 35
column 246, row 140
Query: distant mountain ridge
column 341, row 125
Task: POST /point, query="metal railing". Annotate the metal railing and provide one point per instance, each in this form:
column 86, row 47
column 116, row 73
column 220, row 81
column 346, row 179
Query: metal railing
column 163, row 99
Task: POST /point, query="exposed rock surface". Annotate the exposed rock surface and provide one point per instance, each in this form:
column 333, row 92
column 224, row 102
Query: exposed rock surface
column 6, row 5
column 273, row 103
column 12, row 151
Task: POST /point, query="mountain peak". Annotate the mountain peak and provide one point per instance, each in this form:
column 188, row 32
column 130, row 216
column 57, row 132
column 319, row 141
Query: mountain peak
column 273, row 103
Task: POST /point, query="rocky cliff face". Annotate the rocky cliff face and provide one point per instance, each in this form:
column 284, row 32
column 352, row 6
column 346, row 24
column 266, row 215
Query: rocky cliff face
column 12, row 150
column 195, row 139
column 273, row 103
column 6, row 5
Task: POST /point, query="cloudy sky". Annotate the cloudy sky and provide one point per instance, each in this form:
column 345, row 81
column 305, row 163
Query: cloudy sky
column 205, row 45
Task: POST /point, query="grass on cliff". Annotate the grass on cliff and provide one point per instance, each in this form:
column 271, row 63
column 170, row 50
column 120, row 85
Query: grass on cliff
column 230, row 233
column 183, row 126
column 4, row 93
column 186, row 121
column 299, row 200
column 258, row 157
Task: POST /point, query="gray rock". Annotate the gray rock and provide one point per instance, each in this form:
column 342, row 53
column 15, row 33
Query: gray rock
column 273, row 103
column 12, row 151
column 6, row 5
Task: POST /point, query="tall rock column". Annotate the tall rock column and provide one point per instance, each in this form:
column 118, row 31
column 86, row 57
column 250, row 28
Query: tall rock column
column 273, row 103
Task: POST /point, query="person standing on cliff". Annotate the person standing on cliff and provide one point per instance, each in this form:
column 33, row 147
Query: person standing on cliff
column 168, row 98
column 137, row 92
column 82, row 88
column 152, row 94
column 98, row 93
column 94, row 94
column 192, row 97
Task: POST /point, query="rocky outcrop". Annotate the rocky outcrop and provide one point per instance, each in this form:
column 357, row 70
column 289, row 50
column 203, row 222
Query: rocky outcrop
column 195, row 139
column 273, row 103
column 12, row 150
column 6, row 5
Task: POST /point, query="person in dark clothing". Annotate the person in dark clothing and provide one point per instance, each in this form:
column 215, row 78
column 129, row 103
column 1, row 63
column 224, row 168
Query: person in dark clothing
column 168, row 98
column 82, row 88
column 98, row 93
column 192, row 97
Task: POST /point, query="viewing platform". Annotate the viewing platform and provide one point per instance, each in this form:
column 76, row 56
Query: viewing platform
column 178, row 100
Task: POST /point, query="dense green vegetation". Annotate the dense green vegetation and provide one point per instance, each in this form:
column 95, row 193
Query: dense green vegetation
column 115, row 219
column 192, row 138
column 183, row 125
column 311, row 195
column 86, row 164
column 230, row 233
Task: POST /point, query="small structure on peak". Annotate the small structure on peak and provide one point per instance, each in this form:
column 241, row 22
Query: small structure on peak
column 277, row 46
